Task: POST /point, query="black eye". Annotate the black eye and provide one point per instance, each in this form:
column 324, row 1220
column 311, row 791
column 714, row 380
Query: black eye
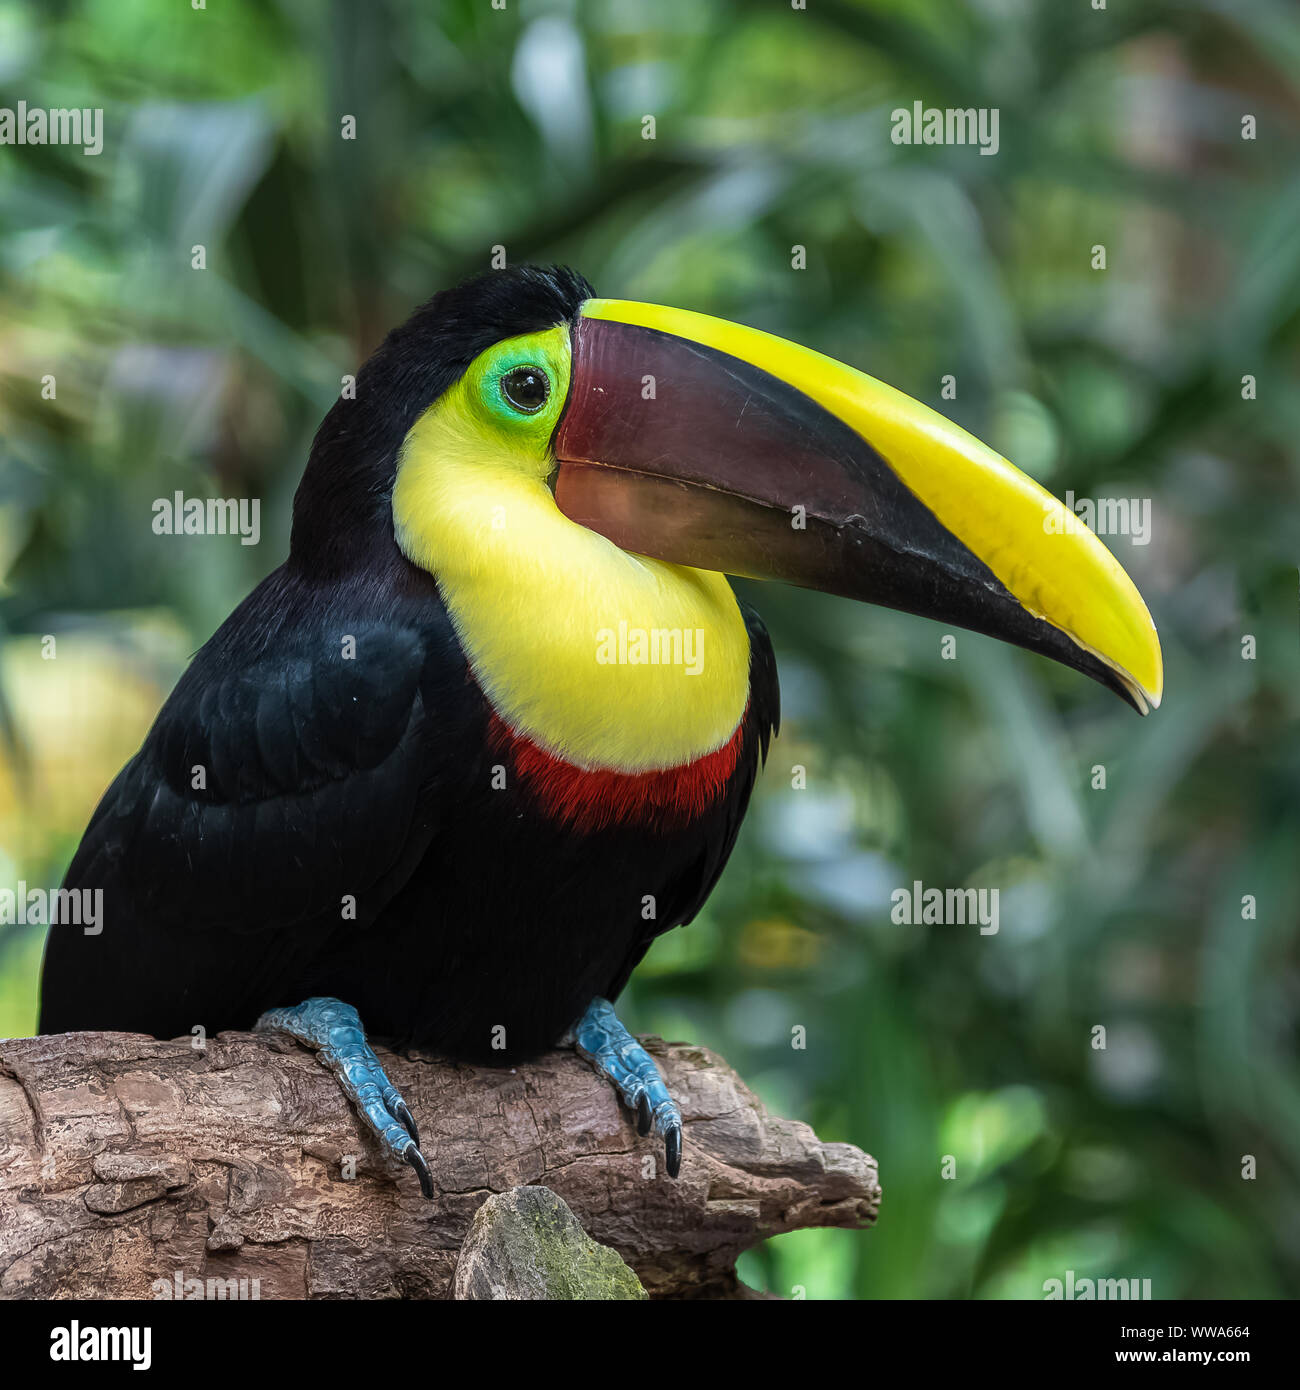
column 526, row 388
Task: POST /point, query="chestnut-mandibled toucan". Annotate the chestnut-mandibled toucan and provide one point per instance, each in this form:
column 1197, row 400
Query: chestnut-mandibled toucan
column 493, row 725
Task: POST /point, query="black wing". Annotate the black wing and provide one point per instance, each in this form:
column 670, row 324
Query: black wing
column 291, row 783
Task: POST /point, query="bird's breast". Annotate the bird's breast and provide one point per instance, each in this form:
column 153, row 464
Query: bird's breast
column 604, row 659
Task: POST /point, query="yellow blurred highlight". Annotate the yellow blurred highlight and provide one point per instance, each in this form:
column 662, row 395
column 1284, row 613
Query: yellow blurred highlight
column 771, row 943
column 80, row 714
column 81, row 706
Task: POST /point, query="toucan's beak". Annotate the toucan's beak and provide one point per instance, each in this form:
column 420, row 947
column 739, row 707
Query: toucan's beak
column 704, row 443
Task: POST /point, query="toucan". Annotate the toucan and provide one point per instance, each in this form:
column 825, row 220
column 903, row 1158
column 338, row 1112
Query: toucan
column 492, row 727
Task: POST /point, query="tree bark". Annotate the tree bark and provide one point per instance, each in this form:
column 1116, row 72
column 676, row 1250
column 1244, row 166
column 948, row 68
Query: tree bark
column 127, row 1164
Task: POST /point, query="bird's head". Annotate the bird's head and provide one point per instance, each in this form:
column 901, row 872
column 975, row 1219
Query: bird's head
column 707, row 444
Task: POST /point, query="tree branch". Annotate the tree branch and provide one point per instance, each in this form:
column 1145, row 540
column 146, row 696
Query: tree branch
column 124, row 1160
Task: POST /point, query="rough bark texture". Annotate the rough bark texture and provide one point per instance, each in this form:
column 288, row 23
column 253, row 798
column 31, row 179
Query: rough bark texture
column 125, row 1161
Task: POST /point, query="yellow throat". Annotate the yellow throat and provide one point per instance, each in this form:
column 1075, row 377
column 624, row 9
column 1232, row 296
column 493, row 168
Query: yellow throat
column 604, row 659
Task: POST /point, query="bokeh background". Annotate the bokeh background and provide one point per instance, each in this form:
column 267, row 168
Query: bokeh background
column 525, row 128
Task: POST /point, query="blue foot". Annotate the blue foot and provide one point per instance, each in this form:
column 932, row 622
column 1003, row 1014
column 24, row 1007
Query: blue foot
column 603, row 1041
column 334, row 1030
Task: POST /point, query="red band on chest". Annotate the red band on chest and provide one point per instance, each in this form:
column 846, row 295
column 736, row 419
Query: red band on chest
column 592, row 800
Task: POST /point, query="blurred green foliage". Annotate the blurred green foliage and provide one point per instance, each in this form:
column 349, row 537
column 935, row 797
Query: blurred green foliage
column 524, row 128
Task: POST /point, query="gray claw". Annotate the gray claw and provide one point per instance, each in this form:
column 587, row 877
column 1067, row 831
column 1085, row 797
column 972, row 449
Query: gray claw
column 416, row 1159
column 408, row 1120
column 673, row 1149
